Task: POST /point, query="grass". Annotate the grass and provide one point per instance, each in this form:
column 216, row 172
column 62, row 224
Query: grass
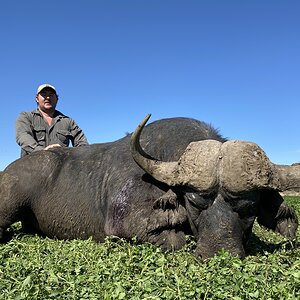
column 35, row 268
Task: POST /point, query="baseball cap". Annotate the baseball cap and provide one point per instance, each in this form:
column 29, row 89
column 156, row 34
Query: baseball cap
column 45, row 85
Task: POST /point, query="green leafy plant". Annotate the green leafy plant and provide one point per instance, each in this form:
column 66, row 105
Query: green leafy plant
column 32, row 267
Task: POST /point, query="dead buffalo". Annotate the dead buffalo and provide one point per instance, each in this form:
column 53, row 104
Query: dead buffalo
column 226, row 185
column 99, row 190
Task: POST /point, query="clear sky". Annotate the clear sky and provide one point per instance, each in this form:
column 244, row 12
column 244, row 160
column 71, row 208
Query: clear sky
column 234, row 64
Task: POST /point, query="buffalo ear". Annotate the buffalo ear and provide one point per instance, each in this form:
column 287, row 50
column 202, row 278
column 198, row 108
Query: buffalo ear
column 273, row 213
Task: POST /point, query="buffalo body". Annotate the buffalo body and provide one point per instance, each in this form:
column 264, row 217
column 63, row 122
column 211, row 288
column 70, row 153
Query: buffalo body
column 99, row 190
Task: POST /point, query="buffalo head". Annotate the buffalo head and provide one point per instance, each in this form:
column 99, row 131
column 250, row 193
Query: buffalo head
column 225, row 185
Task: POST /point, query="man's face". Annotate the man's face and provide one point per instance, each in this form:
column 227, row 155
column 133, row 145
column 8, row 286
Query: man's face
column 47, row 99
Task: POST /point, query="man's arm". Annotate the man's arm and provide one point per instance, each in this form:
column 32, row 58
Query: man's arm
column 79, row 138
column 24, row 134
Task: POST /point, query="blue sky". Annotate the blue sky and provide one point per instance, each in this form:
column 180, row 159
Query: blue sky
column 234, row 64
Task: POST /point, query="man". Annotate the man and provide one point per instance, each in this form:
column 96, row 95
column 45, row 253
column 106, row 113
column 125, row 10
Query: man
column 46, row 127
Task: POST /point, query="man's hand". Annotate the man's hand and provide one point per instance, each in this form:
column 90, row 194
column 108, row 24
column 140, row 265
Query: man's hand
column 52, row 146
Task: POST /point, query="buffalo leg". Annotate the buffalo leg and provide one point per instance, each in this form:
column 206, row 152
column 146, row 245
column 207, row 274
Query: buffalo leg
column 276, row 215
column 9, row 203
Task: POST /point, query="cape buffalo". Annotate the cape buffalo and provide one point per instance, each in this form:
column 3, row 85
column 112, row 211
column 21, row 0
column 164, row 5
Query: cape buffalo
column 99, row 190
column 225, row 184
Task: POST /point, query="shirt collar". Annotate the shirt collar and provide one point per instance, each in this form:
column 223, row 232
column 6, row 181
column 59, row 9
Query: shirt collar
column 57, row 114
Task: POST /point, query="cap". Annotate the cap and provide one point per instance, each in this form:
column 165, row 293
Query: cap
column 46, row 85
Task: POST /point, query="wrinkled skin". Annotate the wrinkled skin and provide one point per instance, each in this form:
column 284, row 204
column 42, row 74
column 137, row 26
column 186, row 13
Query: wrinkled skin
column 98, row 190
column 225, row 221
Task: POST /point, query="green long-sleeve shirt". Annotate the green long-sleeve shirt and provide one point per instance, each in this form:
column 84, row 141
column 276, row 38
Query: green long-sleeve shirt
column 33, row 133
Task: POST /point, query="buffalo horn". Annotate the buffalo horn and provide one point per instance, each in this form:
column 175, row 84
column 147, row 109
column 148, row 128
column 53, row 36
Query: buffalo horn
column 243, row 166
column 289, row 176
column 162, row 171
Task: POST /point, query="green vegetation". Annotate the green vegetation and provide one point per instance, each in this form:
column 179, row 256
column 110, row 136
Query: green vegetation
column 35, row 268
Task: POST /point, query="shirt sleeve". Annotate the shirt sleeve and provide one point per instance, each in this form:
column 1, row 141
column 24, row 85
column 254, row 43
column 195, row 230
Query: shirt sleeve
column 24, row 134
column 79, row 138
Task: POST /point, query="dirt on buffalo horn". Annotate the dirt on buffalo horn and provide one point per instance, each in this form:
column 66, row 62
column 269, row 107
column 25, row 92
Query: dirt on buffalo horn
column 237, row 166
column 289, row 176
column 245, row 163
